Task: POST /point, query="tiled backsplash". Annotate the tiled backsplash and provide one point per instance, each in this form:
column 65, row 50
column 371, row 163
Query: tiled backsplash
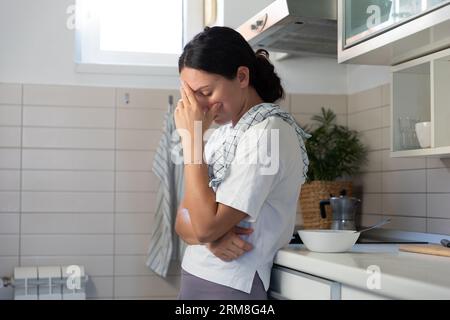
column 413, row 192
column 76, row 185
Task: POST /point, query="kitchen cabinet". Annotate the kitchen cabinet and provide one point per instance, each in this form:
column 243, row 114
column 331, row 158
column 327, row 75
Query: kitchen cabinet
column 294, row 285
column 389, row 32
column 420, row 93
column 350, row 293
column 288, row 284
column 368, row 271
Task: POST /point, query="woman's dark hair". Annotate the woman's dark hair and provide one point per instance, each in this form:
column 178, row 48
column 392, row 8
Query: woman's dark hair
column 222, row 50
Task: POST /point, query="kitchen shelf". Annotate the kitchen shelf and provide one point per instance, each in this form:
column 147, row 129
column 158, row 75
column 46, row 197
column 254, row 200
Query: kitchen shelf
column 420, row 91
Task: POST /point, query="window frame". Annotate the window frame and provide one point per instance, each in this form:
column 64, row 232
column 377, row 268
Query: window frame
column 166, row 64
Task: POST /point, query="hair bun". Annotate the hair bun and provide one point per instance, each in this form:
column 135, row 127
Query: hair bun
column 262, row 52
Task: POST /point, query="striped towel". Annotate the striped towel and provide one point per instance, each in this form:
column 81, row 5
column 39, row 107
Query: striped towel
column 168, row 167
column 223, row 157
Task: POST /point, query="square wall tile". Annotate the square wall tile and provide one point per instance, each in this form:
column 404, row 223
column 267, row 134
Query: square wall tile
column 371, row 203
column 10, row 93
column 9, row 245
column 439, row 226
column 67, row 202
column 371, row 139
column 134, row 160
column 42, row 245
column 407, row 224
column 136, row 139
column 137, row 202
column 439, row 205
column 438, row 180
column 10, row 158
column 405, row 204
column 61, row 95
column 132, row 244
column 68, row 159
column 67, row 181
column 10, row 137
column 406, row 181
column 140, row 118
column 367, row 99
column 69, row 117
column 386, row 94
column 369, row 182
column 67, row 223
column 134, row 223
column 312, row 103
column 136, row 181
column 373, row 162
column 10, row 115
column 9, row 180
column 68, row 138
column 366, row 120
column 9, row 223
column 391, row 164
column 9, row 201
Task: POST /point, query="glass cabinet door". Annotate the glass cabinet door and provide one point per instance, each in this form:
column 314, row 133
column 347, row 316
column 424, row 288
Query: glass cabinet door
column 366, row 18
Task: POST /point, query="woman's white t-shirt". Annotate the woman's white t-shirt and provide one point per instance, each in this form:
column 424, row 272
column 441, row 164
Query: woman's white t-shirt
column 267, row 188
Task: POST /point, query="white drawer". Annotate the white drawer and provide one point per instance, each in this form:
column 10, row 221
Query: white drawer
column 350, row 293
column 294, row 285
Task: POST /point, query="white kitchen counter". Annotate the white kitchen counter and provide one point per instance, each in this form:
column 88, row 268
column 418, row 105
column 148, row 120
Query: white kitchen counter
column 403, row 275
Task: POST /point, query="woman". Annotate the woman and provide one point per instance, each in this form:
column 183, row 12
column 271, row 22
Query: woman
column 226, row 82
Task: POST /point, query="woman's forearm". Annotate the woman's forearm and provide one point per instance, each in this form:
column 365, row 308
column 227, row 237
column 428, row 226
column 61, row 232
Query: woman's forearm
column 200, row 200
column 183, row 226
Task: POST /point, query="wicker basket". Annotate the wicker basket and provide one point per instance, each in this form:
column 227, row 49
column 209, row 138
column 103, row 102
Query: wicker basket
column 310, row 196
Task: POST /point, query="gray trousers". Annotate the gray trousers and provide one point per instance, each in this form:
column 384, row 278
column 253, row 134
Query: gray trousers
column 195, row 288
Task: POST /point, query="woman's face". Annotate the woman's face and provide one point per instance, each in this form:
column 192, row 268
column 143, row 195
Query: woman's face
column 212, row 88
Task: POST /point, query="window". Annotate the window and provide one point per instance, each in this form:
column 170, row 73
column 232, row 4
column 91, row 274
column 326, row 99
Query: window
column 135, row 32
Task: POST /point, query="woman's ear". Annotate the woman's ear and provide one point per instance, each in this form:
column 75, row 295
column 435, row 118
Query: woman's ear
column 243, row 76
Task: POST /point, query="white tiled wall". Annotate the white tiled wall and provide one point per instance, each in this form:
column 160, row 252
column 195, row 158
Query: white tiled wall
column 414, row 192
column 76, row 185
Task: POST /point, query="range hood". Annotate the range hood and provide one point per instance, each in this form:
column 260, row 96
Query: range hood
column 297, row 27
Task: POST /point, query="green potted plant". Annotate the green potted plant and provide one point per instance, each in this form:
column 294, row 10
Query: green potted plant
column 335, row 154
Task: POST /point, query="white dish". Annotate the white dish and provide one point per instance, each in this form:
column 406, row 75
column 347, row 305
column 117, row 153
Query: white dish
column 423, row 132
column 328, row 240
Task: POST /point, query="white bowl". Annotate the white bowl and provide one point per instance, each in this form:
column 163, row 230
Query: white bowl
column 423, row 132
column 328, row 240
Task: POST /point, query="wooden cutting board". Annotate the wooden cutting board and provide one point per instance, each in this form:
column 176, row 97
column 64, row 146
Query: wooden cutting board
column 433, row 249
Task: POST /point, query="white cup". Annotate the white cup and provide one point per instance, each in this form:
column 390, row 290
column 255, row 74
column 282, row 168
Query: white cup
column 423, row 132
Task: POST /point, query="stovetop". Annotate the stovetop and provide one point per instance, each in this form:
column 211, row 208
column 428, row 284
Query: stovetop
column 296, row 240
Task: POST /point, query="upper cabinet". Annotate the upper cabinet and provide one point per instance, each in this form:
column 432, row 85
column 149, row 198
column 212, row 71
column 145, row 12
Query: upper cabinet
column 389, row 32
column 420, row 100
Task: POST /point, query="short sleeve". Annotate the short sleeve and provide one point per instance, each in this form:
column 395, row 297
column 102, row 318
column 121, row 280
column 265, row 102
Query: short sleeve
column 251, row 177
